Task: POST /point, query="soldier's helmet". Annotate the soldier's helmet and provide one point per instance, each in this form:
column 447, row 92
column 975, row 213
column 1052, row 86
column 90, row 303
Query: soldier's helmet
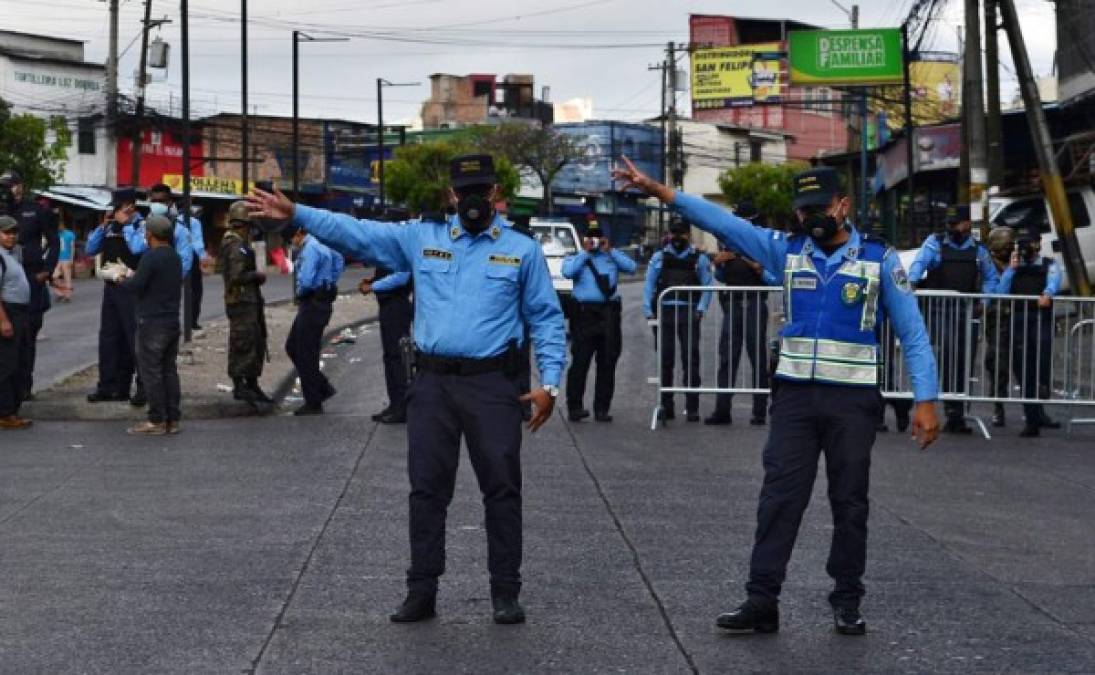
column 239, row 214
column 1001, row 241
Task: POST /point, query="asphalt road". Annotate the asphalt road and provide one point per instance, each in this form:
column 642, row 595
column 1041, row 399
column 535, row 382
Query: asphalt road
column 69, row 341
column 279, row 545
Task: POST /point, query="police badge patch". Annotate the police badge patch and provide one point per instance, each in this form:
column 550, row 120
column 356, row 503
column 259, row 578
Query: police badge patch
column 851, row 293
column 901, row 279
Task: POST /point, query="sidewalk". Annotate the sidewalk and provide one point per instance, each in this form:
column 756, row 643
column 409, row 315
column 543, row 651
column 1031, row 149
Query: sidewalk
column 203, row 366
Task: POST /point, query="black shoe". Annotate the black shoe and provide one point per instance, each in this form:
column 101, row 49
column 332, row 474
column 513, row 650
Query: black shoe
column 308, row 409
column 750, row 617
column 902, row 420
column 377, row 416
column 668, row 413
column 602, row 417
column 957, row 426
column 328, row 391
column 507, row 610
column 394, row 417
column 1030, row 431
column 718, row 419
column 260, row 395
column 139, row 400
column 577, row 414
column 758, row 420
column 692, row 416
column 848, row 621
column 242, row 392
column 102, row 397
column 416, row 607
column 196, row 327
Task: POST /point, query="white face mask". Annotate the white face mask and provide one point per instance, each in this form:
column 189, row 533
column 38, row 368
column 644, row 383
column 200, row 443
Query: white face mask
column 157, row 209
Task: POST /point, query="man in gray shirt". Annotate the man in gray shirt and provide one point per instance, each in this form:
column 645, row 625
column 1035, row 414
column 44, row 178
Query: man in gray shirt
column 14, row 327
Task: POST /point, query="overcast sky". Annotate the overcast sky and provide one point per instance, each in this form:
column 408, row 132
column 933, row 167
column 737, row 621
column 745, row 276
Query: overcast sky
column 580, row 48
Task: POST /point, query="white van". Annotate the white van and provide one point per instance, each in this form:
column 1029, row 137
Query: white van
column 558, row 239
column 1021, row 211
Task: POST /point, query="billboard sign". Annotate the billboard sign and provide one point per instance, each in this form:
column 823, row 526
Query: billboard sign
column 871, row 56
column 724, row 77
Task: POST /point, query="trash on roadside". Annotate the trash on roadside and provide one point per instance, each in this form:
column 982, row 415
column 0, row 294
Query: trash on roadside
column 356, row 359
column 77, row 446
column 328, row 355
column 224, row 387
column 345, row 337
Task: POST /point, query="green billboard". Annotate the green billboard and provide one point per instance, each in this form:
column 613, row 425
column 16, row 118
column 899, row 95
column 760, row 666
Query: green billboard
column 871, row 56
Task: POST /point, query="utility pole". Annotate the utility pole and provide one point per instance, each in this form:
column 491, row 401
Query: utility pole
column 380, row 139
column 661, row 150
column 993, row 123
column 112, row 93
column 909, row 144
column 863, row 138
column 296, row 115
column 245, row 144
column 676, row 173
column 975, row 117
column 137, row 136
column 1052, row 183
column 184, row 31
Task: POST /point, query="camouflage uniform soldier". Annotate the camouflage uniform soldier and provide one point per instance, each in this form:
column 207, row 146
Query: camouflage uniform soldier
column 244, row 305
column 1001, row 243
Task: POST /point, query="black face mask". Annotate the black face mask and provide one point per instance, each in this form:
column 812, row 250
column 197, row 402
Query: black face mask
column 820, row 225
column 475, row 210
column 958, row 238
column 679, row 243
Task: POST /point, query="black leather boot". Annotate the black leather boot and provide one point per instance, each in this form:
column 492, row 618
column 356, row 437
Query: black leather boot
column 750, row 617
column 507, row 610
column 242, row 392
column 260, row 395
column 848, row 621
column 416, row 607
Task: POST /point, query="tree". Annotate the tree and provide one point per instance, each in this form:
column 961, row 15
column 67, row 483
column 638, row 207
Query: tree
column 543, row 151
column 25, row 146
column 418, row 175
column 768, row 186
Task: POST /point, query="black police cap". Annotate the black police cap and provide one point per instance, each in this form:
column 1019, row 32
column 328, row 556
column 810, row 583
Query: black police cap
column 123, row 196
column 472, row 170
column 678, row 225
column 816, row 187
column 958, row 213
column 11, row 177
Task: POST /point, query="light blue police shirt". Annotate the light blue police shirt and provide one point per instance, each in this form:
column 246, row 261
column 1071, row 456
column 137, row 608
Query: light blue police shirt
column 931, row 254
column 607, row 264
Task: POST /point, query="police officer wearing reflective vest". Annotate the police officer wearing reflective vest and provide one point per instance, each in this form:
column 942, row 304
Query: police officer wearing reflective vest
column 825, row 393
column 679, row 313
column 36, row 223
column 595, row 327
column 953, row 261
column 477, row 283
column 1030, row 273
column 119, row 241
column 317, row 271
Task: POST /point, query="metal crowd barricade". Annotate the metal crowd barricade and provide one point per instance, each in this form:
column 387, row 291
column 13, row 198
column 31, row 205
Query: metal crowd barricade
column 989, row 349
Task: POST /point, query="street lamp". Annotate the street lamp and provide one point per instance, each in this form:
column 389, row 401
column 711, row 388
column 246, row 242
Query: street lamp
column 298, row 37
column 380, row 84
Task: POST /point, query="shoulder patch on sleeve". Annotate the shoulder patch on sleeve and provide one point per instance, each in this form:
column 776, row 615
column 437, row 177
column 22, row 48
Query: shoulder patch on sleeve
column 900, row 277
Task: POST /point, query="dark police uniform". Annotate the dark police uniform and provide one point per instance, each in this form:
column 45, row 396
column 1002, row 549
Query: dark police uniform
column 825, row 393
column 395, row 313
column 474, row 295
column 595, row 327
column 117, row 243
column 965, row 267
column 1032, row 331
column 679, row 316
column 317, row 271
column 244, row 306
column 36, row 223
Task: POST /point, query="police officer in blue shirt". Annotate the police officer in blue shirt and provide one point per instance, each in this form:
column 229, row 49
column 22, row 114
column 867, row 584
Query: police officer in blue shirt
column 162, row 202
column 1030, row 273
column 595, row 326
column 825, row 394
column 317, row 271
column 678, row 264
column 477, row 284
column 953, row 261
column 119, row 240
column 395, row 313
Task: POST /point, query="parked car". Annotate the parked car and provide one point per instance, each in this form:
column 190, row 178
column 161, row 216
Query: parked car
column 558, row 239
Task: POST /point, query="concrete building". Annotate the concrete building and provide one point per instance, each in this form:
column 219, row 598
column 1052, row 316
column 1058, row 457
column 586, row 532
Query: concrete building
column 467, row 100
column 48, row 77
column 711, row 149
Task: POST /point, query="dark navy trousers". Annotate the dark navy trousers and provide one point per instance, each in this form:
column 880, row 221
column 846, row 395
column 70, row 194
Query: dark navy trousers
column 117, row 340
column 304, row 345
column 809, row 419
column 395, row 315
column 484, row 411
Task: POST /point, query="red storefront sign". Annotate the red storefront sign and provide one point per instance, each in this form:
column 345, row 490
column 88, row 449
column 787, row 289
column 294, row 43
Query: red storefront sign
column 161, row 153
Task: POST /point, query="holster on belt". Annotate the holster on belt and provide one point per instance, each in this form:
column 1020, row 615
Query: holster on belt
column 409, row 356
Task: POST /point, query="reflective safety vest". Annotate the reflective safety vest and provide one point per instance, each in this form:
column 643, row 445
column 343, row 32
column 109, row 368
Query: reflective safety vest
column 830, row 332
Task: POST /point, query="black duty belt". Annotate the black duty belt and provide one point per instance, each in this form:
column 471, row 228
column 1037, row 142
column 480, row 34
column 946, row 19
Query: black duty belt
column 446, row 365
column 16, row 307
column 614, row 301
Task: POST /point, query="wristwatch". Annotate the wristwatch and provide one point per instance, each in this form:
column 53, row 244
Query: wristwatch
column 552, row 390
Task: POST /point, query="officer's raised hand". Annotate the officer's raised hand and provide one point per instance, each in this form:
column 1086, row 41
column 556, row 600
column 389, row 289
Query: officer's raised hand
column 925, row 423
column 273, row 205
column 633, row 178
column 543, row 403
